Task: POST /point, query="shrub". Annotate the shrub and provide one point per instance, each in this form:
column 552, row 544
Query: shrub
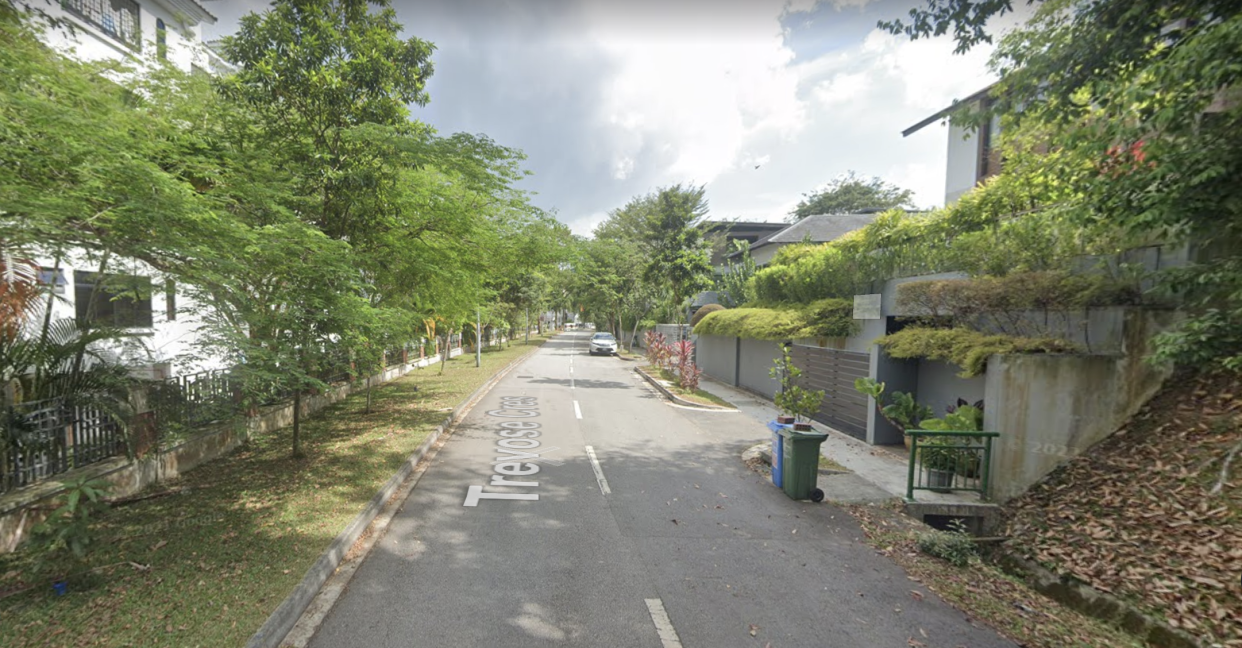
column 66, row 536
column 822, row 318
column 966, row 348
column 955, row 546
column 793, row 399
column 704, row 312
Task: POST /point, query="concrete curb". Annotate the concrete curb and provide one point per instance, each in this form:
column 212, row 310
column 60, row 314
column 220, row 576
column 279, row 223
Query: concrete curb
column 286, row 615
column 681, row 401
column 1080, row 596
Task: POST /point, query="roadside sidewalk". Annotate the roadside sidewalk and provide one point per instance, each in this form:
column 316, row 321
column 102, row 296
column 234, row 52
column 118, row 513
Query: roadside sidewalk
column 876, row 473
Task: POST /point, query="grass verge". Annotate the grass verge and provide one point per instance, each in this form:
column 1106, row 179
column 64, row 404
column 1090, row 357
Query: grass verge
column 983, row 591
column 205, row 567
column 696, row 396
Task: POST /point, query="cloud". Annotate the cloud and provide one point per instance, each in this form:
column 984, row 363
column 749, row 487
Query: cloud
column 610, row 100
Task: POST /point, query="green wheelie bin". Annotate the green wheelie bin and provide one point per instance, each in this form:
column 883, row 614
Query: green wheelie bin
column 801, row 465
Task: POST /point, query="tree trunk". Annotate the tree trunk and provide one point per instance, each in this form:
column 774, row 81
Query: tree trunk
column 368, row 393
column 297, row 424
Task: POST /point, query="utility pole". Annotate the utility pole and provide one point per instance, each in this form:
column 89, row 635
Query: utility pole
column 478, row 338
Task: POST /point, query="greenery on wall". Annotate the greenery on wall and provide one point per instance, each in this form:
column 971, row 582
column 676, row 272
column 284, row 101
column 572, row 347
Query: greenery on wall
column 963, row 347
column 1005, row 226
column 1135, row 108
column 822, row 318
column 1014, row 292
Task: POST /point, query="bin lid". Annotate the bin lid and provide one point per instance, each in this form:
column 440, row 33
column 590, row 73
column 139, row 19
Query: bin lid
column 777, row 427
column 791, row 433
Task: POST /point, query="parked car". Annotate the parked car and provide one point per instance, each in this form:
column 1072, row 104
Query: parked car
column 604, row 343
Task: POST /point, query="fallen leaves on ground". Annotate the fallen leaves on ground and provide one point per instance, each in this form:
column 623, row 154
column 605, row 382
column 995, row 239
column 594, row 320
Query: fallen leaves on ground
column 1136, row 515
column 982, row 590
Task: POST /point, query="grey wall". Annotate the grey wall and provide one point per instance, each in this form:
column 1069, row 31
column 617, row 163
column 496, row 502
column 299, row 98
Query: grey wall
column 755, row 360
column 940, row 386
column 897, row 376
column 717, row 357
column 1050, row 408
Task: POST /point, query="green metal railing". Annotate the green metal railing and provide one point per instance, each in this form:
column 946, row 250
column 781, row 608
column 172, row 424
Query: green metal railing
column 946, row 460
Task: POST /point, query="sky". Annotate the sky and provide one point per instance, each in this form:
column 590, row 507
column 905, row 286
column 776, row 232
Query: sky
column 760, row 101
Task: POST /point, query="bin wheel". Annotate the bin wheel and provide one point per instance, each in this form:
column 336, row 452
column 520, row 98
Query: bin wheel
column 817, row 495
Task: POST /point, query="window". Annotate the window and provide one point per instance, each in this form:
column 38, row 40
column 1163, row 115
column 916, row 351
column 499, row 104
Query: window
column 989, row 149
column 116, row 18
column 122, row 301
column 161, row 39
column 54, row 277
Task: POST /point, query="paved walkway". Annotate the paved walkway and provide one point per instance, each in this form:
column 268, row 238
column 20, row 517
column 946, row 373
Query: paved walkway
column 876, row 473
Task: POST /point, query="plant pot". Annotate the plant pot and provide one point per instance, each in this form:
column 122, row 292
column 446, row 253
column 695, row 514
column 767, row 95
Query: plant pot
column 802, row 427
column 785, row 420
column 940, row 481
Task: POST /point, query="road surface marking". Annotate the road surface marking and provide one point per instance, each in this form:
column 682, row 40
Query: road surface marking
column 664, row 627
column 577, row 410
column 599, row 472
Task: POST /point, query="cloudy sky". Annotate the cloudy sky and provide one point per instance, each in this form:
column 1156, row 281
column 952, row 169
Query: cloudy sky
column 759, row 100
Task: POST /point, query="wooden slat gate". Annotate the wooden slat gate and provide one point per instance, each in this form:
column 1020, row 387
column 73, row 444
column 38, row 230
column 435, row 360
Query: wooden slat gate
column 834, row 371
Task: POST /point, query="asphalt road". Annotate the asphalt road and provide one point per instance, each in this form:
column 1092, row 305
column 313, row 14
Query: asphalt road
column 664, row 539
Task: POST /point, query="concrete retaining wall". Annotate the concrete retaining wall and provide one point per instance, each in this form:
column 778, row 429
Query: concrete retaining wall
column 1049, row 408
column 22, row 509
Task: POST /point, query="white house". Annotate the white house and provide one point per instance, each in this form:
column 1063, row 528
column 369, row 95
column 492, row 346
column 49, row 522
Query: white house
column 128, row 294
column 973, row 155
column 93, row 30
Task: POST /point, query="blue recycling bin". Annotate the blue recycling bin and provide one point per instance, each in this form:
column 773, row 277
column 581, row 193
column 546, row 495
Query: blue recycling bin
column 778, row 453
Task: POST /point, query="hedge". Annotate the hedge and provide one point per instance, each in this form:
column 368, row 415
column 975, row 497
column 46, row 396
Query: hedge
column 823, row 318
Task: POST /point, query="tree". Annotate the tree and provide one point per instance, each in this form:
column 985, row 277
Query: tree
column 1135, row 107
column 679, row 257
column 851, row 193
column 321, row 76
column 731, row 285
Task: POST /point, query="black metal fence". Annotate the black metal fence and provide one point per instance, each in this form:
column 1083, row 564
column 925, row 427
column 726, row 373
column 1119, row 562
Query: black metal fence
column 49, row 437
column 184, row 403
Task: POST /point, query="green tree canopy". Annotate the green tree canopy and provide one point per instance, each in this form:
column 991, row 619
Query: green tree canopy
column 851, row 193
column 1135, row 107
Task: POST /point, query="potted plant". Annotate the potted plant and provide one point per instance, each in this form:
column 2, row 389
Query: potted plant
column 961, row 418
column 794, row 401
column 940, row 457
column 901, row 410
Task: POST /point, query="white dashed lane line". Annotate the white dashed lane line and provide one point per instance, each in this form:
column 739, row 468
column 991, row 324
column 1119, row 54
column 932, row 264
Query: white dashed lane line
column 664, row 627
column 577, row 410
column 599, row 471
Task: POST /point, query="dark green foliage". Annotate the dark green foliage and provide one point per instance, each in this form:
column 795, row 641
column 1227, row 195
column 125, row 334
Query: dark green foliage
column 66, row 534
column 793, row 399
column 1135, row 108
column 966, row 348
column 955, row 546
column 731, row 284
column 704, row 311
column 823, row 318
column 1015, row 292
column 899, row 408
column 851, row 194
